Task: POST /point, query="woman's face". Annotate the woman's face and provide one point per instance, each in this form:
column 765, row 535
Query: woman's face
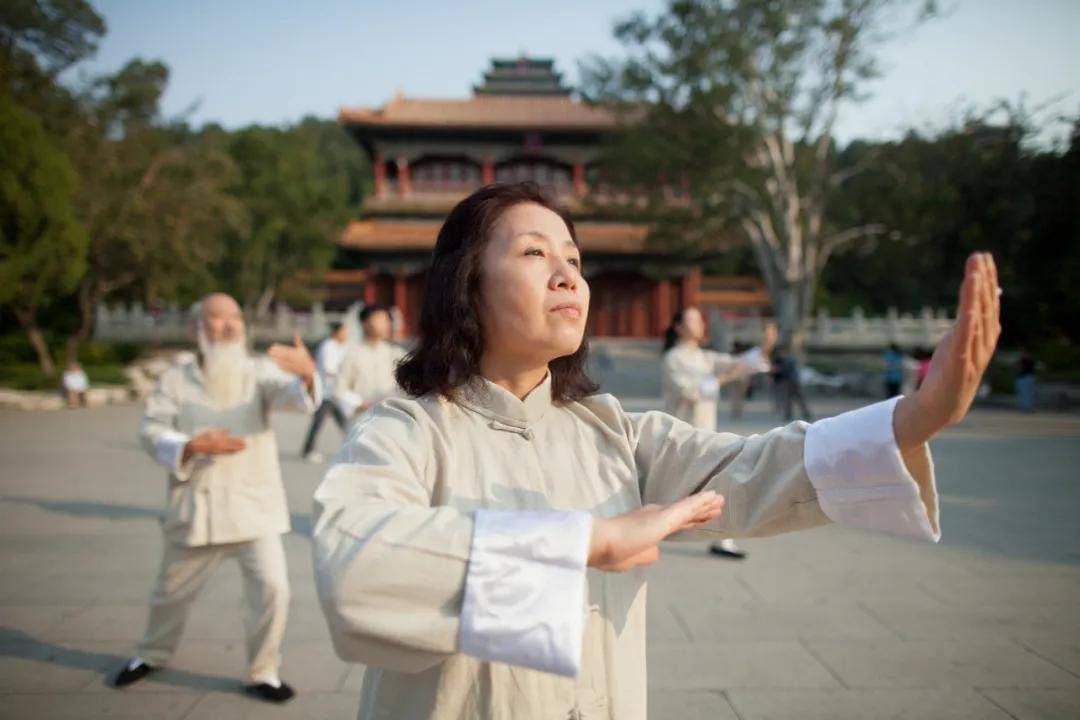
column 692, row 326
column 533, row 300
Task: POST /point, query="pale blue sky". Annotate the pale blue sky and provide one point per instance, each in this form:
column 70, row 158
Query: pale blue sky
column 248, row 61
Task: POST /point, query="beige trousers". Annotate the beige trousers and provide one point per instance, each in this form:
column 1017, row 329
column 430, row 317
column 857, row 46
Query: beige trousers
column 184, row 570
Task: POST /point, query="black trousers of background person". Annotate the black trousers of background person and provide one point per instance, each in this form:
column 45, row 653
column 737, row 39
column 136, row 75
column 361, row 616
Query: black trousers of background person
column 328, row 406
column 791, row 393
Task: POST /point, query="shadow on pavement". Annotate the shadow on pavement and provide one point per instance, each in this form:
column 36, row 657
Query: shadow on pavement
column 16, row 643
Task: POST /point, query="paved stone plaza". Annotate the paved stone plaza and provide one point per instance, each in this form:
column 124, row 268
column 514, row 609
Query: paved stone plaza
column 831, row 623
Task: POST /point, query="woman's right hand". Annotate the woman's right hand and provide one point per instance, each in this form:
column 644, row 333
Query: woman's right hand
column 632, row 539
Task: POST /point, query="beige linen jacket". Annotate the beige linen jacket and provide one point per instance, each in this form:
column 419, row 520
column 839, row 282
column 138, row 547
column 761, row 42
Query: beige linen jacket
column 223, row 498
column 367, row 375
column 451, row 538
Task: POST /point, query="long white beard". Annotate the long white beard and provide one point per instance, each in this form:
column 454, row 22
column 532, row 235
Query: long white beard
column 225, row 368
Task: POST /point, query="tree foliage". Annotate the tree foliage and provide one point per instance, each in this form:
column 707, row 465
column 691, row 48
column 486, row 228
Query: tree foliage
column 298, row 187
column 735, row 101
column 42, row 243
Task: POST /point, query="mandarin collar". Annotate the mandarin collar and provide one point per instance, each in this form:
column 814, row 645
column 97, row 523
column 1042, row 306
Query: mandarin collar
column 499, row 404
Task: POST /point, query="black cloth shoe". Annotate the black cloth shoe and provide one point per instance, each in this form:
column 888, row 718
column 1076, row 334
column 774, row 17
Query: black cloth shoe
column 732, row 552
column 132, row 672
column 265, row 691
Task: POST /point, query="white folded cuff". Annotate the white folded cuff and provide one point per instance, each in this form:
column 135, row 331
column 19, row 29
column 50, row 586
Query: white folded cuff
column 349, row 401
column 755, row 361
column 304, row 400
column 861, row 479
column 525, row 589
column 169, row 451
column 709, row 387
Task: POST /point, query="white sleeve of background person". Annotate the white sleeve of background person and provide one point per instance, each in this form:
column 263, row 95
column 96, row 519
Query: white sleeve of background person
column 169, row 450
column 349, row 401
column 300, row 398
column 525, row 589
column 755, row 360
column 855, row 465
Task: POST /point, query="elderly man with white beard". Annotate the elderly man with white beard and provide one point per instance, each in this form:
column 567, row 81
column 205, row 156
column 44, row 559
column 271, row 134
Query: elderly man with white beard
column 207, row 421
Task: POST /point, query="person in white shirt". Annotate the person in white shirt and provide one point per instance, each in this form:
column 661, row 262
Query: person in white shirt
column 367, row 372
column 693, row 376
column 479, row 545
column 208, row 422
column 328, row 361
column 75, row 384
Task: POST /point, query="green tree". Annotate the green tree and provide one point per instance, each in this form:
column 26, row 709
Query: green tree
column 153, row 195
column 42, row 244
column 298, row 186
column 39, row 39
column 738, row 100
column 978, row 186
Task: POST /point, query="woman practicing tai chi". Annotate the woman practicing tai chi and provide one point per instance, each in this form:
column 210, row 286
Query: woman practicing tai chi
column 691, row 378
column 480, row 546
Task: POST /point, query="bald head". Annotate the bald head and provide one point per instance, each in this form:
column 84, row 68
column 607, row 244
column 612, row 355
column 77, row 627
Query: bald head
column 221, row 319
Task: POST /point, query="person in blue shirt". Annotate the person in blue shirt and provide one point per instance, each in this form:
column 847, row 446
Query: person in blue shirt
column 894, row 370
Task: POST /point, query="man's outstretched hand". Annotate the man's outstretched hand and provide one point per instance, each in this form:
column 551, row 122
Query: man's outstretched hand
column 632, row 539
column 295, row 360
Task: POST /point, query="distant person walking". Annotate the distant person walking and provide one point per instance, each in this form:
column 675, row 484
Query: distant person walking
column 328, row 360
column 894, row 370
column 785, row 373
column 1025, row 382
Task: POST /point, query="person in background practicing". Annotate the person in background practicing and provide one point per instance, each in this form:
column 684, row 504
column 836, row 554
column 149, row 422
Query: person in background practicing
column 367, row 372
column 693, row 376
column 328, row 361
column 75, row 385
column 208, row 423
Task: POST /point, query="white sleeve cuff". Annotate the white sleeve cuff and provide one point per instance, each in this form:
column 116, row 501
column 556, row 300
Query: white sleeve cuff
column 169, row 451
column 709, row 387
column 349, row 401
column 755, row 360
column 301, row 399
column 525, row 589
column 861, row 479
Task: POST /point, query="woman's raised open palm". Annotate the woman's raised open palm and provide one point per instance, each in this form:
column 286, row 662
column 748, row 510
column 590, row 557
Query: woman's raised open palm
column 959, row 361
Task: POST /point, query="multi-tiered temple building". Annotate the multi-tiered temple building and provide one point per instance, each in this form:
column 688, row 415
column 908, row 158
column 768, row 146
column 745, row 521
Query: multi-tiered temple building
column 521, row 123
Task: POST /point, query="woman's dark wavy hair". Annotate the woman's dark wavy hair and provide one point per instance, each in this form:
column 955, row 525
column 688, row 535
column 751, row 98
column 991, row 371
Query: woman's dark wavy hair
column 451, row 340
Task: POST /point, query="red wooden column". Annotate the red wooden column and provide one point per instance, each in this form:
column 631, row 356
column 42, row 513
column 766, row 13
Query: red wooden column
column 404, row 184
column 690, row 286
column 369, row 288
column 580, row 188
column 662, row 306
column 639, row 315
column 401, row 300
column 487, row 171
column 380, row 175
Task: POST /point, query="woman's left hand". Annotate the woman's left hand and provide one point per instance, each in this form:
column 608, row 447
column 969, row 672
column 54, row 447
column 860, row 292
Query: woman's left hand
column 959, row 361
